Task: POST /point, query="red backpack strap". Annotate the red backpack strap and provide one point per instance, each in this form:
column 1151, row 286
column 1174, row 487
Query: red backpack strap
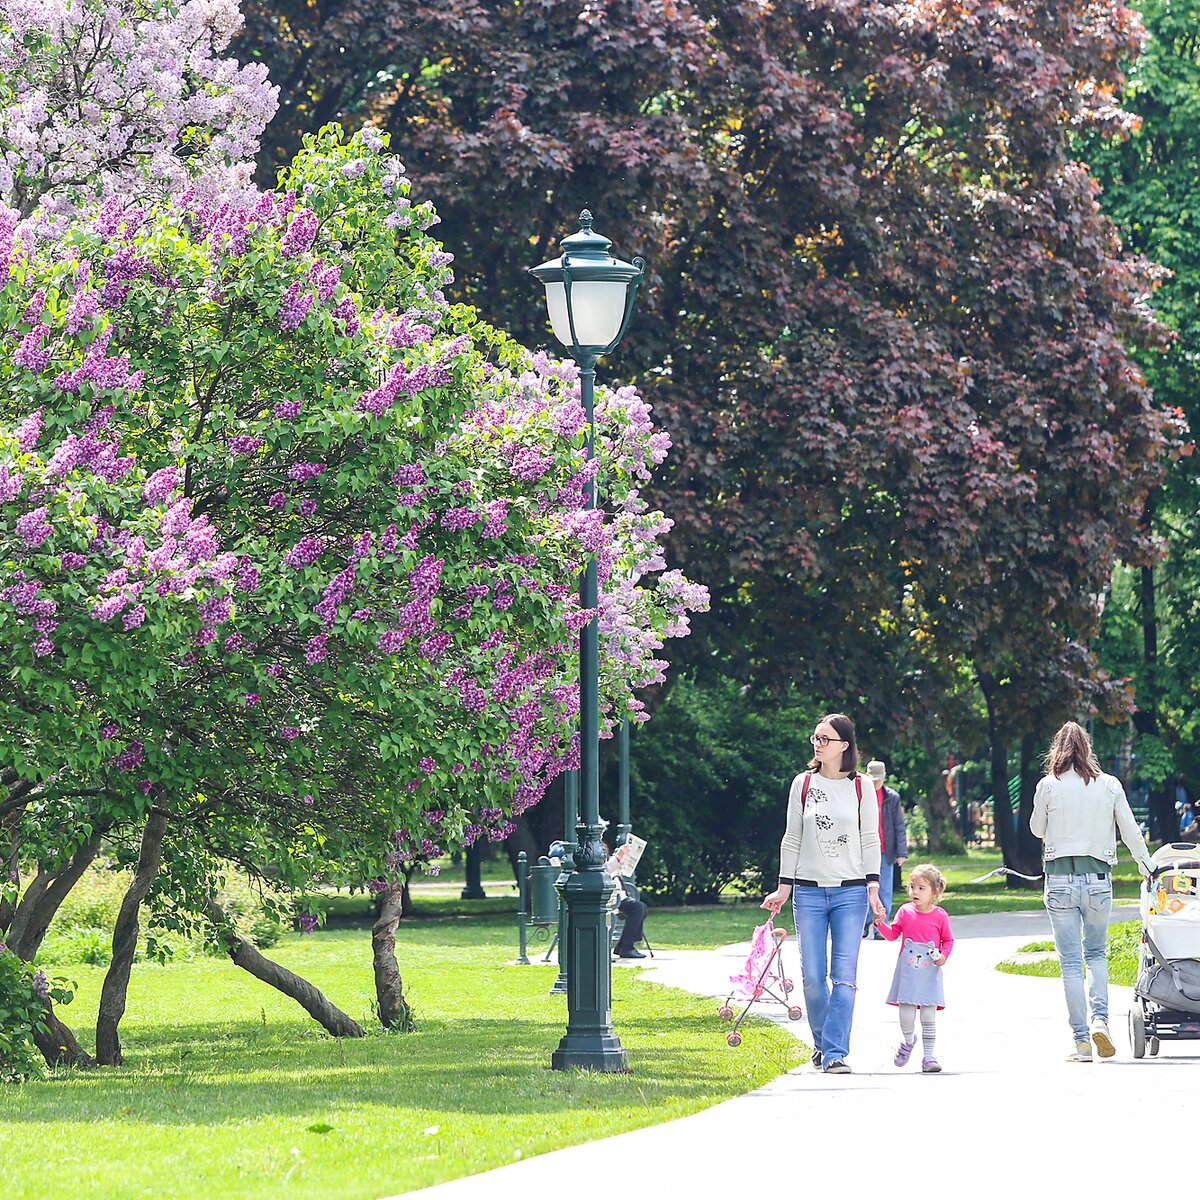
column 804, row 789
column 858, row 786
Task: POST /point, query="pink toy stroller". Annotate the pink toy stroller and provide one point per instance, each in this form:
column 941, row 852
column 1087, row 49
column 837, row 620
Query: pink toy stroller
column 761, row 977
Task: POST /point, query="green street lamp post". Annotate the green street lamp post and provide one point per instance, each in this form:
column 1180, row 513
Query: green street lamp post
column 570, row 820
column 624, row 828
column 589, row 297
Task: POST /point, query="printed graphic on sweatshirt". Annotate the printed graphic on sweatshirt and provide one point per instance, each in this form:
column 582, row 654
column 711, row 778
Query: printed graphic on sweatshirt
column 831, row 844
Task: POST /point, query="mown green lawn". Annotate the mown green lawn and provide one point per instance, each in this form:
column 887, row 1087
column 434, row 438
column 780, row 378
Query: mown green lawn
column 231, row 1091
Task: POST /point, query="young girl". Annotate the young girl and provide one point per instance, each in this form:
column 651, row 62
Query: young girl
column 927, row 942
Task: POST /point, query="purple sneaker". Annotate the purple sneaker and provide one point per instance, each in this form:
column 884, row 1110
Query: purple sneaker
column 930, row 1066
column 903, row 1054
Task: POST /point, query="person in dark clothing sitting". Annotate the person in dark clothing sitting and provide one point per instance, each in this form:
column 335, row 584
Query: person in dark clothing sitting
column 632, row 909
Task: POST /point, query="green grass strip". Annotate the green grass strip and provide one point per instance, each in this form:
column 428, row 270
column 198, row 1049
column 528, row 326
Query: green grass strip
column 230, row 1091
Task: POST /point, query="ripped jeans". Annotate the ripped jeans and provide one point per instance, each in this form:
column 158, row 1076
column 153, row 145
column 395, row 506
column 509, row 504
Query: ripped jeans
column 824, row 915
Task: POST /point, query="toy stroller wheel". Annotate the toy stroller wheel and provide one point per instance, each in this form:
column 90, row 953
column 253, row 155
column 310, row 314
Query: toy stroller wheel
column 1152, row 1045
column 734, row 1038
column 788, row 985
column 795, row 1012
column 1137, row 1033
column 725, row 1012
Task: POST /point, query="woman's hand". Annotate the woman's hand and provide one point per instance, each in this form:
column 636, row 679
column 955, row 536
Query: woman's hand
column 777, row 899
column 877, row 908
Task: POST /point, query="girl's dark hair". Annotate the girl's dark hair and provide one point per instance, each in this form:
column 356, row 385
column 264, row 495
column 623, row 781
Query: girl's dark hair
column 1071, row 749
column 844, row 728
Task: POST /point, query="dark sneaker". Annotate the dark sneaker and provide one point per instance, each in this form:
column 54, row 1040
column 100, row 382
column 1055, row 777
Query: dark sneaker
column 837, row 1067
column 930, row 1066
column 816, row 1059
column 903, row 1054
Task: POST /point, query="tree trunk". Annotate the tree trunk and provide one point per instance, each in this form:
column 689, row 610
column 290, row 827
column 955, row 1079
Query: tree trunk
column 394, row 1010
column 125, row 936
column 938, row 810
column 58, row 1044
column 43, row 898
column 1006, row 831
column 1029, row 848
column 1162, row 813
column 327, row 1015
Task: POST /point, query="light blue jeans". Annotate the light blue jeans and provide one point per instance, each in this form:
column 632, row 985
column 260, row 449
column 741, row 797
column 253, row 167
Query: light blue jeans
column 827, row 915
column 887, row 882
column 1079, row 907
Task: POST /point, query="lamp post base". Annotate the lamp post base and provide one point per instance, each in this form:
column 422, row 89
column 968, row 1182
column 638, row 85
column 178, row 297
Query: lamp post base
column 590, row 1052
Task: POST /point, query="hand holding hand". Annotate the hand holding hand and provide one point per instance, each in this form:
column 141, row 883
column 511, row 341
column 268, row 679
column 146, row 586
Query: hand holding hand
column 877, row 906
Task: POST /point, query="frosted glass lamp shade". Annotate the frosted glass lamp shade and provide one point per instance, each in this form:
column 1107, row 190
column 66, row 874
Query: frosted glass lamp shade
column 598, row 309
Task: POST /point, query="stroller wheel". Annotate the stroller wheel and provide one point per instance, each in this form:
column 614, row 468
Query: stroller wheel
column 795, row 1012
column 725, row 1012
column 734, row 1038
column 1152, row 1045
column 788, row 985
column 1137, row 1032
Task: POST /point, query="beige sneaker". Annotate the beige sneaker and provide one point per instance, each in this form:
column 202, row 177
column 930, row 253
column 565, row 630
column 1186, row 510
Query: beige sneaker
column 1103, row 1039
column 1083, row 1052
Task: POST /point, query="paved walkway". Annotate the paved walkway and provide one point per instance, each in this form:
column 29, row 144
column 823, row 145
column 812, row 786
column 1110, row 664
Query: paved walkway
column 1007, row 1114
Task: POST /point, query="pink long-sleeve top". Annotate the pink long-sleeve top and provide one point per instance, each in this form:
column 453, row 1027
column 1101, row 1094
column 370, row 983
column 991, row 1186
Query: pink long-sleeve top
column 932, row 926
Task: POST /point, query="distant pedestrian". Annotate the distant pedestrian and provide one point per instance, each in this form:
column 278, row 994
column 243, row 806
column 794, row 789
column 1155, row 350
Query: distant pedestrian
column 1077, row 810
column 829, row 867
column 893, row 837
column 926, row 940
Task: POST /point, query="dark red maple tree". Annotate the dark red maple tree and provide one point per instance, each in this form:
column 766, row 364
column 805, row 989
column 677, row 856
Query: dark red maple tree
column 885, row 322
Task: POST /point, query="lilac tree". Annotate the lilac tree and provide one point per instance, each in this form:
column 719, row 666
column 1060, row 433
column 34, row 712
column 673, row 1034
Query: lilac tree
column 379, row 661
column 127, row 97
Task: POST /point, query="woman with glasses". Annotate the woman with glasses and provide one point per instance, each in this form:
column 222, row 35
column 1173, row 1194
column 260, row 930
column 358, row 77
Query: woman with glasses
column 829, row 866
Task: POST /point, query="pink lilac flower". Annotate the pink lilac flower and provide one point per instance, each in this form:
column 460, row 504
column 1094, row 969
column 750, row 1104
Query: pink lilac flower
column 289, row 733
column 293, row 308
column 250, row 699
column 302, row 471
column 72, row 561
column 242, row 444
column 134, row 617
column 277, row 500
column 287, row 410
column 308, row 506
column 160, row 485
column 130, row 757
column 32, row 528
column 301, row 234
column 29, row 431
column 305, row 552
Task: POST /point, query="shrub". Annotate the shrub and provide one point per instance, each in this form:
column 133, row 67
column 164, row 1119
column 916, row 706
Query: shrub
column 22, row 990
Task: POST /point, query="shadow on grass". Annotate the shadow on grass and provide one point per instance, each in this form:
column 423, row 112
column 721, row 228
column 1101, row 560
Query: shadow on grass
column 208, row 1074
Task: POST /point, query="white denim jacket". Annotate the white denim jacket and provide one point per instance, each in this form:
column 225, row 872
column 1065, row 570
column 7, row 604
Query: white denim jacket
column 1072, row 818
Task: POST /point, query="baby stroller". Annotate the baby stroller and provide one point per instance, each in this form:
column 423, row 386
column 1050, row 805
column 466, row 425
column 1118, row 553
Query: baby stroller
column 762, row 976
column 1168, row 982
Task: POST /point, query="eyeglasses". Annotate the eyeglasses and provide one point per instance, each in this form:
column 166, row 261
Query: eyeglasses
column 821, row 741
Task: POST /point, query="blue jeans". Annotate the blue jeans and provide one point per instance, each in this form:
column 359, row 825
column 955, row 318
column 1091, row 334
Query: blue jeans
column 825, row 914
column 887, row 881
column 1079, row 907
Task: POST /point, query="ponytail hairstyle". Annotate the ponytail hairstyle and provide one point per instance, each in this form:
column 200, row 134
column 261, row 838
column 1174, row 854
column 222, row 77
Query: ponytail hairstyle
column 1071, row 750
column 931, row 875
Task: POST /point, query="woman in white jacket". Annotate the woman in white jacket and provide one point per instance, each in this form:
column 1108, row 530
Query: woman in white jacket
column 1077, row 811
